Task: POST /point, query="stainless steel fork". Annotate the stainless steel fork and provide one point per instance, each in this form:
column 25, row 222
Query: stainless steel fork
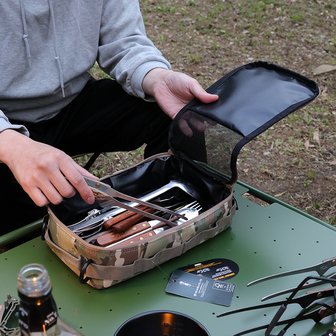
column 92, row 234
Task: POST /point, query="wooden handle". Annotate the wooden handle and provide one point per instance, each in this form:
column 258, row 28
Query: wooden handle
column 131, row 241
column 112, row 237
column 128, row 216
column 129, row 222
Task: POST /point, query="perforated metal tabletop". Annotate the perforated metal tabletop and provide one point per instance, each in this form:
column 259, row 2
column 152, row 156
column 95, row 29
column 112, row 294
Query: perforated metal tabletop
column 262, row 240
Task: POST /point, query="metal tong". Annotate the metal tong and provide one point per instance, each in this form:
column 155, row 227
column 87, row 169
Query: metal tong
column 145, row 229
column 304, row 301
column 316, row 312
column 321, row 269
column 290, row 290
column 311, row 309
column 97, row 217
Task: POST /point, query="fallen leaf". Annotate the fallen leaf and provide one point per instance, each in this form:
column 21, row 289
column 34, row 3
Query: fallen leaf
column 316, row 137
column 307, row 144
column 324, row 68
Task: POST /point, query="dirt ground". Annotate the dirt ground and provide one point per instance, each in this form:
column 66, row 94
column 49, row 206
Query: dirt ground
column 296, row 159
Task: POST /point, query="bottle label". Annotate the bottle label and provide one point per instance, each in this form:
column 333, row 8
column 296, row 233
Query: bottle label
column 33, row 323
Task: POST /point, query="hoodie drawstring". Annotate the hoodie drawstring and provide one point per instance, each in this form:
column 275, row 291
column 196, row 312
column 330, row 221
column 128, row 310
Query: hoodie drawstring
column 27, row 47
column 25, row 33
column 57, row 58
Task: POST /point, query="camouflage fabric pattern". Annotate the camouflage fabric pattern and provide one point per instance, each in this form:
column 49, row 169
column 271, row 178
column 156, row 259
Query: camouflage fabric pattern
column 176, row 240
column 113, row 265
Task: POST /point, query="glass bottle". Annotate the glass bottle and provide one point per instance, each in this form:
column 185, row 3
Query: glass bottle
column 38, row 311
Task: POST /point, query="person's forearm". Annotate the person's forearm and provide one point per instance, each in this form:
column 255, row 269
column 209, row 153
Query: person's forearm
column 9, row 139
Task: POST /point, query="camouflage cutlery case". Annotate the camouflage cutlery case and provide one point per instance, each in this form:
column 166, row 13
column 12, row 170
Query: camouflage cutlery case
column 199, row 172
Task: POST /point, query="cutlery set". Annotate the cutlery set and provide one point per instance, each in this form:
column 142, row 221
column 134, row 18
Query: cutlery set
column 128, row 223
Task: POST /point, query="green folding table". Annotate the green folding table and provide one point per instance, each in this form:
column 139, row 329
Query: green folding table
column 262, row 240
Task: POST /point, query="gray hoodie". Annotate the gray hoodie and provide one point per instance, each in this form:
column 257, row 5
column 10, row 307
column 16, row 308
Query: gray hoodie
column 48, row 46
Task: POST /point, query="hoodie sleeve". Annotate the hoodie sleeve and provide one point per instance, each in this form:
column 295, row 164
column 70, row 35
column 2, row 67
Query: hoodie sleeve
column 5, row 124
column 125, row 52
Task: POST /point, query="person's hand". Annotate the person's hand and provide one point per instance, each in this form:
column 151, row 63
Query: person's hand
column 173, row 90
column 44, row 172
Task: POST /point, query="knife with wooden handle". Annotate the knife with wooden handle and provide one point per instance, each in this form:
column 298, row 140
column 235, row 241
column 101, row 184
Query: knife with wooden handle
column 113, row 237
column 126, row 219
column 128, row 242
column 154, row 227
column 129, row 218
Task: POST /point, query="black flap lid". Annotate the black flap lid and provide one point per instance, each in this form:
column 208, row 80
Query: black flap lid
column 251, row 99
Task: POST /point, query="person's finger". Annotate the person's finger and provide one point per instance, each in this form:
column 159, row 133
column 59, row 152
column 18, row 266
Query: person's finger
column 38, row 197
column 50, row 192
column 198, row 124
column 185, row 128
column 41, row 190
column 74, row 176
column 62, row 185
column 199, row 93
